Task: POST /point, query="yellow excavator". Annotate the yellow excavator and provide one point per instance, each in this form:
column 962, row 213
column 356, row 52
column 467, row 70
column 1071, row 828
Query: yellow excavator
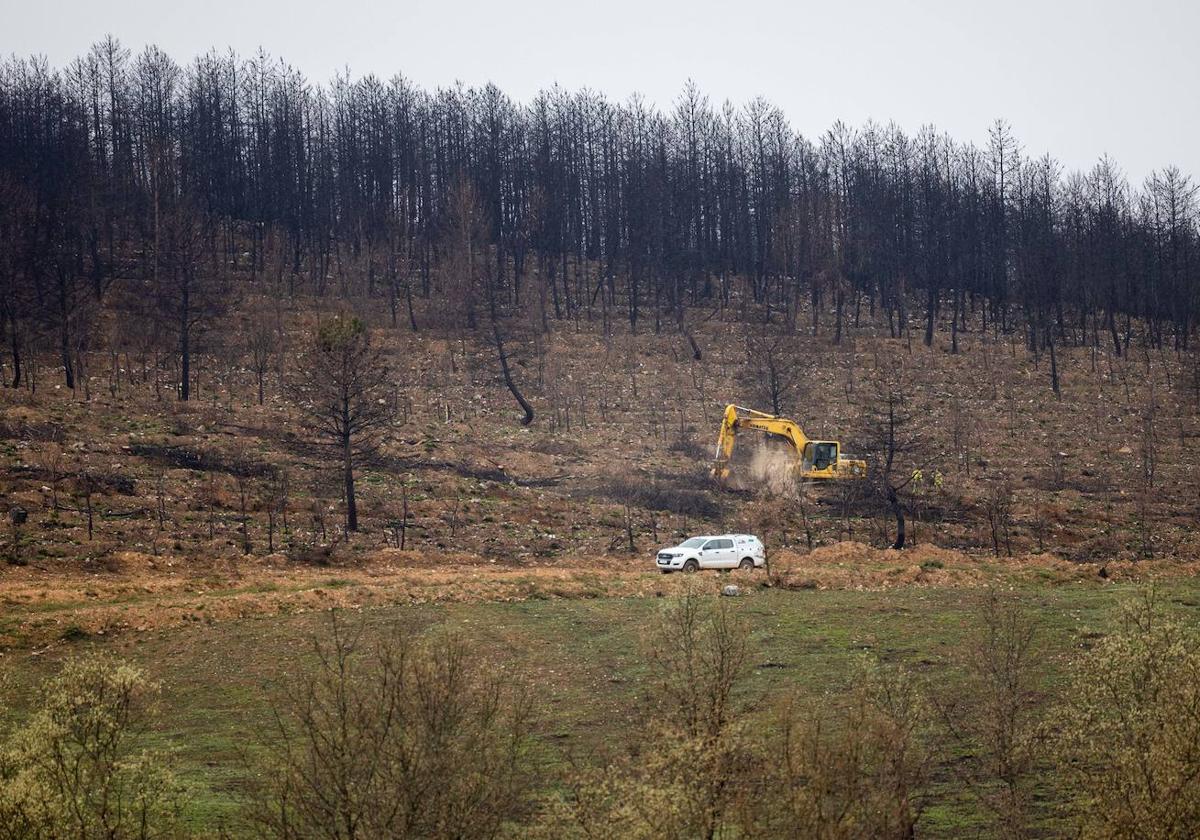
column 816, row 460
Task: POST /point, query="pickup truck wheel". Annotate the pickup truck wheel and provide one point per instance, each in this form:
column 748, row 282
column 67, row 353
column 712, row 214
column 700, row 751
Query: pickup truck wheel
column 691, row 566
column 746, row 563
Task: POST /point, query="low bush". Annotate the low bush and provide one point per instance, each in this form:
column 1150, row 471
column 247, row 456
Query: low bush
column 853, row 766
column 399, row 738
column 703, row 770
column 1129, row 735
column 73, row 769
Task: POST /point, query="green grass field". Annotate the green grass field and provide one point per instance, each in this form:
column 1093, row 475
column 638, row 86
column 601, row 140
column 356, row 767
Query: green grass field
column 583, row 659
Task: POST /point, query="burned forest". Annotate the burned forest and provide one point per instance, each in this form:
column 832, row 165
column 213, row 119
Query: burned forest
column 347, row 429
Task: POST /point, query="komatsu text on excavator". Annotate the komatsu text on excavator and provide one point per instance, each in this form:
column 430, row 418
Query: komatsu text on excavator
column 815, row 459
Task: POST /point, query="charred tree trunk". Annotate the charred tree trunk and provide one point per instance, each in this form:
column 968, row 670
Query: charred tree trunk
column 931, row 311
column 185, row 337
column 348, row 471
column 64, row 331
column 1054, row 383
column 508, row 380
column 897, row 511
column 16, row 352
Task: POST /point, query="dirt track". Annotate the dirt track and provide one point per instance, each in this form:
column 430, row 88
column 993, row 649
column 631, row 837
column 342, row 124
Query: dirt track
column 138, row 593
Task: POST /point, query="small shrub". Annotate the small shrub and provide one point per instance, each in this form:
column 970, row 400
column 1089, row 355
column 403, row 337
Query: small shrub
column 312, row 555
column 695, row 767
column 401, row 738
column 200, row 460
column 996, row 719
column 689, row 448
column 1128, row 749
column 73, row 633
column 844, row 770
column 681, row 772
column 73, row 770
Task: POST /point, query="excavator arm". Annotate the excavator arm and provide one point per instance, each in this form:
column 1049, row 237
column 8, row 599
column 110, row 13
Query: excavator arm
column 736, row 417
column 812, row 462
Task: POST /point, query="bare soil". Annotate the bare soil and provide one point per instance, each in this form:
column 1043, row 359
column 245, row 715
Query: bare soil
column 187, row 527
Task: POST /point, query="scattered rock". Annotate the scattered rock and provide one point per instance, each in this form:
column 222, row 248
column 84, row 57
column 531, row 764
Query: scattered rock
column 731, row 590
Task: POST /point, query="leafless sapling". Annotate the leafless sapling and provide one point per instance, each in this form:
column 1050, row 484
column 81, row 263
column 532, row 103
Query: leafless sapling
column 998, row 504
column 997, row 721
column 263, row 346
column 773, row 368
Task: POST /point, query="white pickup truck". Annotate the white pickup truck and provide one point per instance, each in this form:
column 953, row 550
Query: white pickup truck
column 726, row 551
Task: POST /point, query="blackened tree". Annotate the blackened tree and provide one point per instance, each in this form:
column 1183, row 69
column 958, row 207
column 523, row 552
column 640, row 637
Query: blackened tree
column 339, row 383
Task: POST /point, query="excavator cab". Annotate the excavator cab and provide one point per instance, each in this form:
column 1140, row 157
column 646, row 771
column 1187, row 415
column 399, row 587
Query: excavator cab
column 820, row 459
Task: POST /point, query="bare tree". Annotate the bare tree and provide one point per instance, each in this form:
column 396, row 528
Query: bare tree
column 1148, row 452
column 340, row 385
column 242, row 480
column 856, row 768
column 899, row 451
column 467, row 267
column 773, row 367
column 192, row 294
column 681, row 775
column 273, row 498
column 963, row 432
column 998, row 504
column 263, row 346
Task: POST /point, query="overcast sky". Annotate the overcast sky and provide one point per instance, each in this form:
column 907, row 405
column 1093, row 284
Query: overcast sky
column 1076, row 78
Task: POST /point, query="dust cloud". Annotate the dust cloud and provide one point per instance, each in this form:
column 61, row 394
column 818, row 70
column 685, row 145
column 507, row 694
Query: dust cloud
column 770, row 468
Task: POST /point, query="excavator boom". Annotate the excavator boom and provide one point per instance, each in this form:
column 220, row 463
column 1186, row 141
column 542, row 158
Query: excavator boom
column 815, row 460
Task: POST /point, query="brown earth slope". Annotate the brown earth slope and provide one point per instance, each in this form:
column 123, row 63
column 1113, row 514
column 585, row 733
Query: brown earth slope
column 183, row 509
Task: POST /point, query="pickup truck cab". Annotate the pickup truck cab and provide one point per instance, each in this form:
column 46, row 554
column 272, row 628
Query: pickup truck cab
column 724, row 551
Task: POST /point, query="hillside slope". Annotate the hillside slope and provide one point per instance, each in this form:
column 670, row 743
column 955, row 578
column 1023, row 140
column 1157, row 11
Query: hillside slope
column 619, row 451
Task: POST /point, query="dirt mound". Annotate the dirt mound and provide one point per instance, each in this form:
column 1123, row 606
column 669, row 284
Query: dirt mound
column 860, row 553
column 133, row 563
column 853, row 565
column 394, row 558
